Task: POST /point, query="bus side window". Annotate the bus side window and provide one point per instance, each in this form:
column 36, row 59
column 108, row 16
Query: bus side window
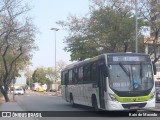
column 94, row 70
column 80, row 75
column 75, row 75
column 66, row 79
column 87, row 73
column 70, row 77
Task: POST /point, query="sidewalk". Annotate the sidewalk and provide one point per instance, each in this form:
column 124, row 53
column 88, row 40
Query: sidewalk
column 156, row 109
column 11, row 106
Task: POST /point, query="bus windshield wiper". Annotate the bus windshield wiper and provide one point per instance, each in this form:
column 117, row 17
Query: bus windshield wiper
column 128, row 72
column 124, row 69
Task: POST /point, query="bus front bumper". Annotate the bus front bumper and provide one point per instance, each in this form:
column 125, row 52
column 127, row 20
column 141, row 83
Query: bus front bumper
column 112, row 105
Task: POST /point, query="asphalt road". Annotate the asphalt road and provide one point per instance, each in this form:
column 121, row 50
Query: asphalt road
column 41, row 102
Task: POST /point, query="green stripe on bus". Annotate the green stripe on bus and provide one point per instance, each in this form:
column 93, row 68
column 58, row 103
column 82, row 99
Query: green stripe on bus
column 133, row 99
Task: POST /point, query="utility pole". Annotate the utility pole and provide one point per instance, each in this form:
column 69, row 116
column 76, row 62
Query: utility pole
column 136, row 27
column 55, row 30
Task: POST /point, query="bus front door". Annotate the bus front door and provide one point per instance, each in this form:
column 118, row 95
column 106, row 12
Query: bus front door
column 66, row 87
column 102, row 86
column 66, row 93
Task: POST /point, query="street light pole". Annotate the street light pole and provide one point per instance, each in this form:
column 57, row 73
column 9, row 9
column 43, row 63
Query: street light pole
column 55, row 29
column 136, row 28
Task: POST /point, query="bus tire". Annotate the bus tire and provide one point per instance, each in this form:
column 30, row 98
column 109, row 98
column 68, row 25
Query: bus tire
column 71, row 99
column 94, row 103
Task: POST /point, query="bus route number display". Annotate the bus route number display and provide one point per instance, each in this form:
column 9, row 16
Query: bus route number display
column 128, row 58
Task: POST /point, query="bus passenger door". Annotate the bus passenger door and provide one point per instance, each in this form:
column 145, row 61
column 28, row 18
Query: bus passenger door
column 102, row 85
column 66, row 86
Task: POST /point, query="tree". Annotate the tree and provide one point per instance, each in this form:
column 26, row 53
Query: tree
column 16, row 41
column 28, row 76
column 39, row 75
column 48, row 75
column 109, row 27
column 150, row 12
column 51, row 73
column 54, row 75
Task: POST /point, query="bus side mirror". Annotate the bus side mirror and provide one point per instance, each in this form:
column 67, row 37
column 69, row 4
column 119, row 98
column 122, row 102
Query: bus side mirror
column 154, row 68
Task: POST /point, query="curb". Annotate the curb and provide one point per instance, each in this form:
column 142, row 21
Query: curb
column 152, row 109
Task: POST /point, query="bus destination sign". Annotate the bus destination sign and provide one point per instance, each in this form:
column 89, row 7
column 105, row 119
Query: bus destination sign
column 127, row 58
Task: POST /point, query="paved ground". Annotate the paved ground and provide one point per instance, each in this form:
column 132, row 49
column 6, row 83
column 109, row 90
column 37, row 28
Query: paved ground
column 13, row 106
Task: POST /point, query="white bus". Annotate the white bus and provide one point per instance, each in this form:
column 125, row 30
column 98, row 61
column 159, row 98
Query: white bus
column 113, row 81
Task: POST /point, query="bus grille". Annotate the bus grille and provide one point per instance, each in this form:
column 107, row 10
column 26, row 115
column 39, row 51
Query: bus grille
column 139, row 105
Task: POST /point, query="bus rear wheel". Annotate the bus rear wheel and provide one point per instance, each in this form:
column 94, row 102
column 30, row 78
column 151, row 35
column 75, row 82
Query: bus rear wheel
column 71, row 100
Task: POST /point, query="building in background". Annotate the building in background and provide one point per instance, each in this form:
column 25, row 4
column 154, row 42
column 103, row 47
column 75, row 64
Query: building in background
column 154, row 33
column 155, row 22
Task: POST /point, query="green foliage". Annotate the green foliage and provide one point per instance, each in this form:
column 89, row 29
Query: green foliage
column 17, row 33
column 48, row 82
column 106, row 30
column 46, row 75
column 29, row 81
column 39, row 75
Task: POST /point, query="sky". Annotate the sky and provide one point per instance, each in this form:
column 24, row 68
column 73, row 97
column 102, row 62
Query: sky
column 45, row 14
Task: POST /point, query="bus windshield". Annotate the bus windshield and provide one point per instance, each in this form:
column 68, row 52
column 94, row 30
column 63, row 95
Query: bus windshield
column 131, row 77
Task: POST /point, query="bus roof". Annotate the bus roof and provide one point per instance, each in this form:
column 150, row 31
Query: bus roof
column 79, row 63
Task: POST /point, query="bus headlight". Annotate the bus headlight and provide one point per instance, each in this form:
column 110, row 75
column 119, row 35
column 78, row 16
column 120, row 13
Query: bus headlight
column 112, row 97
column 152, row 95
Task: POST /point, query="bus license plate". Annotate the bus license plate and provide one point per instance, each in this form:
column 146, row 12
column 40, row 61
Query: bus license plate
column 134, row 107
